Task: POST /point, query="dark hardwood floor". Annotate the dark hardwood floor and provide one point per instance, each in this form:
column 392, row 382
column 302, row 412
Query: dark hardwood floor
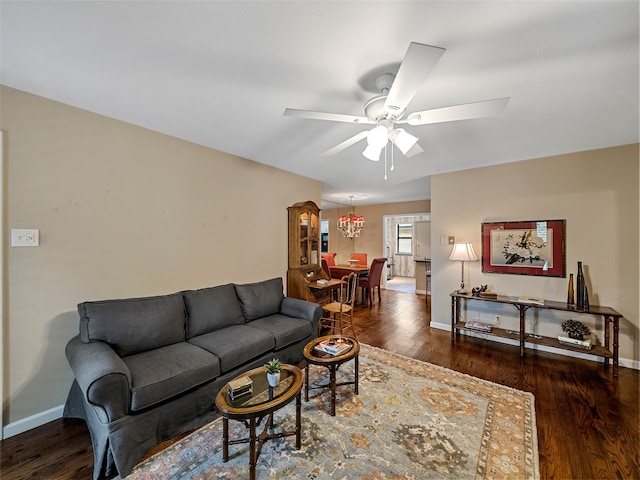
column 588, row 423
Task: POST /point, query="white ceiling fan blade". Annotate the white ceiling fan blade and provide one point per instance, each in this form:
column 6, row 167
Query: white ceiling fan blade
column 347, row 143
column 333, row 117
column 487, row 108
column 416, row 65
column 413, row 151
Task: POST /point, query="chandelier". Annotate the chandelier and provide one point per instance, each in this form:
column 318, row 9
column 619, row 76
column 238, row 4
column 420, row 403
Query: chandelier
column 351, row 224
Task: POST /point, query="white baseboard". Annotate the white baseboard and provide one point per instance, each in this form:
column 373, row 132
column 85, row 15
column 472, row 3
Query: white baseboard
column 623, row 362
column 37, row 420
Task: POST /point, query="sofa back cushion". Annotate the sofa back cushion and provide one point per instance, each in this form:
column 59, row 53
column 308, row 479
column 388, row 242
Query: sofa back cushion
column 134, row 325
column 260, row 299
column 211, row 309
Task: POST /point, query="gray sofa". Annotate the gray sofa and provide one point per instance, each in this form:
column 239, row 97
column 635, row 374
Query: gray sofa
column 147, row 369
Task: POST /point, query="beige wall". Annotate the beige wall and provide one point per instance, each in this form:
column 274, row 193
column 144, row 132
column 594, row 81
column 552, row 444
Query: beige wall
column 595, row 191
column 122, row 212
column 371, row 239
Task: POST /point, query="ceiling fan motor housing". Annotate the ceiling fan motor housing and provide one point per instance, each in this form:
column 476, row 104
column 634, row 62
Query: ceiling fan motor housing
column 375, row 109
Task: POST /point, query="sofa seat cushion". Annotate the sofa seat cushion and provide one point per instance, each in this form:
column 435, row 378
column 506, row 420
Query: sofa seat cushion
column 236, row 345
column 134, row 325
column 210, row 309
column 160, row 374
column 285, row 330
column 260, row 299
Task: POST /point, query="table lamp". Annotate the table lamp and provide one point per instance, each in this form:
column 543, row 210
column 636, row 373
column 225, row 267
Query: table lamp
column 463, row 252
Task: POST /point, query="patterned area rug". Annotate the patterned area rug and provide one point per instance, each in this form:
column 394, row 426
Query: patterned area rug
column 411, row 420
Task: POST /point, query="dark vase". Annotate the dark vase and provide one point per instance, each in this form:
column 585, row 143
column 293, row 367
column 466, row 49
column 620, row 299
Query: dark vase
column 580, row 286
column 577, row 336
column 585, row 297
column 570, row 297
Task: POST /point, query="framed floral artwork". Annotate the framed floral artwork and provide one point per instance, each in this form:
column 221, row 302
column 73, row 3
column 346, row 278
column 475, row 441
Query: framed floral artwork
column 532, row 247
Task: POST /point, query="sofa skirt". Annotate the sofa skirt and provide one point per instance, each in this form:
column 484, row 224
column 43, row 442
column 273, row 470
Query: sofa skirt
column 118, row 446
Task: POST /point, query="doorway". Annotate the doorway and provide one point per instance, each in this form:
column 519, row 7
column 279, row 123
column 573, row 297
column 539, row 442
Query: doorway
column 401, row 241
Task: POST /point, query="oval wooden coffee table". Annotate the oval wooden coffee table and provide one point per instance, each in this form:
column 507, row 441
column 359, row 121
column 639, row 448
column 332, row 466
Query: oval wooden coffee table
column 314, row 356
column 253, row 407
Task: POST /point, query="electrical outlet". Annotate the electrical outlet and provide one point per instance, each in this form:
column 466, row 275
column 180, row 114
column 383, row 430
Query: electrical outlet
column 25, row 237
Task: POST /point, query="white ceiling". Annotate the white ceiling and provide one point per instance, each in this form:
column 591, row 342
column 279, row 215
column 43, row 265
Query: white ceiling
column 220, row 74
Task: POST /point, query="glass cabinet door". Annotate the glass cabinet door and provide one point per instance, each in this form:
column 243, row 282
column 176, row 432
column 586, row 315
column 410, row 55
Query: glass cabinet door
column 314, row 239
column 308, row 236
column 304, row 235
column 304, row 238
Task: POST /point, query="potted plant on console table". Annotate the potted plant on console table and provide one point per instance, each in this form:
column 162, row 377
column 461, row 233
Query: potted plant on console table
column 273, row 372
column 575, row 329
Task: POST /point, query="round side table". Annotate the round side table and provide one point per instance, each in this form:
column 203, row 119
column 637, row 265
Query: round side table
column 314, row 354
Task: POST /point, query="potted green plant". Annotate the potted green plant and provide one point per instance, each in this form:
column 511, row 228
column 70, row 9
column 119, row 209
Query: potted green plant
column 273, row 372
column 575, row 329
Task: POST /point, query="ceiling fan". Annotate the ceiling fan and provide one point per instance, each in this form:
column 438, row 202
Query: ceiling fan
column 387, row 110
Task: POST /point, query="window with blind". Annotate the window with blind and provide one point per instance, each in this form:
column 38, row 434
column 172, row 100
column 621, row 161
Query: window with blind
column 404, row 238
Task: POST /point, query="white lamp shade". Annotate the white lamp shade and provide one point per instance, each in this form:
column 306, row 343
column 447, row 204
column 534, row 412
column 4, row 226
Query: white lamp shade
column 463, row 252
column 378, row 136
column 372, row 153
column 403, row 140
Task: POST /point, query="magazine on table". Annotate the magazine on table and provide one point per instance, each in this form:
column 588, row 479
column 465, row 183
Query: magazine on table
column 336, row 348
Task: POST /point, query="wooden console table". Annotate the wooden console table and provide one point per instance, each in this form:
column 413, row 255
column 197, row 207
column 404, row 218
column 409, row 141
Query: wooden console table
column 611, row 320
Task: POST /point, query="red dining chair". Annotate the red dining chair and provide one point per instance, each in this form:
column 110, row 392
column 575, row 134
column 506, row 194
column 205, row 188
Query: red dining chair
column 330, row 258
column 361, row 257
column 372, row 280
column 325, row 267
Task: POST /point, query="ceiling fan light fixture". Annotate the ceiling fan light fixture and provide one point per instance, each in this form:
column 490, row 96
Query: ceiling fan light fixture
column 372, row 152
column 378, row 136
column 403, row 140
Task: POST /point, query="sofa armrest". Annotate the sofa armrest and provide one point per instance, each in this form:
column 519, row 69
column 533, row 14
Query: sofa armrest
column 294, row 307
column 103, row 378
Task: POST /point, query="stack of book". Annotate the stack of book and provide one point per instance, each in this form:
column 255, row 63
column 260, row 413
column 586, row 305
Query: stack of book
column 478, row 326
column 574, row 342
column 333, row 348
column 240, row 387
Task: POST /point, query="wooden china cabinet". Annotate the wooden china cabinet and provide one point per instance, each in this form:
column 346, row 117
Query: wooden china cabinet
column 305, row 268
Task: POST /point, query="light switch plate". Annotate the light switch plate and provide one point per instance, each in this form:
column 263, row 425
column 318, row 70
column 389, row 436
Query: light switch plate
column 25, row 237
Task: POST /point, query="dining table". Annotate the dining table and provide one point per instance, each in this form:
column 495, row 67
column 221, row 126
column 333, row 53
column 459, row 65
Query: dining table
column 339, row 271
